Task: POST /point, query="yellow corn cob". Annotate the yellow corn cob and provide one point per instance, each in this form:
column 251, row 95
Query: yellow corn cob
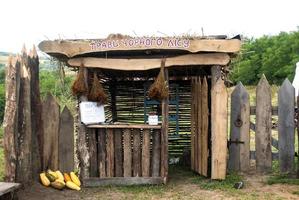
column 67, row 177
column 59, row 174
column 44, row 180
column 58, row 184
column 72, row 186
column 75, row 179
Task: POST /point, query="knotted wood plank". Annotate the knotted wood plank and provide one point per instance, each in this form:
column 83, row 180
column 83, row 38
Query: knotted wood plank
column 218, row 124
column 93, row 153
column 239, row 147
column 146, row 153
column 286, row 127
column 263, row 126
column 66, row 141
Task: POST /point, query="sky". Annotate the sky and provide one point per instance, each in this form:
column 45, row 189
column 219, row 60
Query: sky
column 32, row 21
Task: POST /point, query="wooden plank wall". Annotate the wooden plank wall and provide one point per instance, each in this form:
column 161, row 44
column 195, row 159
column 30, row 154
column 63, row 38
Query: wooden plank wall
column 239, row 146
column 126, row 153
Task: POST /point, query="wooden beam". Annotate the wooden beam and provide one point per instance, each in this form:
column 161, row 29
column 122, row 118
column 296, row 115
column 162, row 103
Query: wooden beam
column 71, row 48
column 218, row 124
column 129, row 126
column 147, row 64
column 95, row 182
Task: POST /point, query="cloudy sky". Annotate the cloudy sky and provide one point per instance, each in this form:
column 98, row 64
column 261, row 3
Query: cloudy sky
column 31, row 21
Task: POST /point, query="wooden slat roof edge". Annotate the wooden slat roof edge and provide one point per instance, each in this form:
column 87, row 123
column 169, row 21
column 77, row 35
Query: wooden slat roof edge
column 154, row 63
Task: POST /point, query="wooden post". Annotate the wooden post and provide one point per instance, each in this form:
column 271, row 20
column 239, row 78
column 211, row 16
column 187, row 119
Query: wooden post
column 205, row 128
column 263, row 126
column 164, row 134
column 24, row 167
column 127, row 153
column 10, row 122
column 239, row 147
column 118, row 153
column 82, row 148
column 66, row 141
column 146, row 153
column 196, row 125
column 102, row 152
column 286, row 127
column 51, row 120
column 219, row 124
column 36, row 113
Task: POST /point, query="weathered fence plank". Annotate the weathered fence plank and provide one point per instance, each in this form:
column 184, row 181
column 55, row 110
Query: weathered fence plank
column 286, row 126
column 66, row 141
column 195, row 124
column 51, row 130
column 36, row 113
column 219, row 124
column 239, row 147
column 93, row 161
column 146, row 153
column 192, row 123
column 102, row 152
column 110, row 153
column 136, row 153
column 205, row 128
column 199, row 122
column 127, row 153
column 24, row 171
column 263, row 126
column 118, row 153
column 10, row 121
column 156, row 153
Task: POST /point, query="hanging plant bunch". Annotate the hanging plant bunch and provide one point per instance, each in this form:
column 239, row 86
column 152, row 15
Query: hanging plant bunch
column 159, row 89
column 97, row 92
column 79, row 86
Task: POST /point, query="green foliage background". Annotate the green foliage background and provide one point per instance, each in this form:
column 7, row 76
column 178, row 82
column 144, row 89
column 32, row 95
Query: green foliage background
column 274, row 56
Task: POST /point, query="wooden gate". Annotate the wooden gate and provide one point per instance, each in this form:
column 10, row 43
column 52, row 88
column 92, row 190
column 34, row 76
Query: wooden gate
column 199, row 125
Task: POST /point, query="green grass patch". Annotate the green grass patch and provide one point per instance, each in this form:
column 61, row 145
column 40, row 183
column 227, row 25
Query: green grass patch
column 226, row 184
column 282, row 179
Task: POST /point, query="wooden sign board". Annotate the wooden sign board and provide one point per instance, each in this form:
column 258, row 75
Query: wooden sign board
column 92, row 113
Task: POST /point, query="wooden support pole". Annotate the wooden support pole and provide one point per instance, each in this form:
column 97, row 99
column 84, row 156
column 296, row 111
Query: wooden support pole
column 192, row 122
column 10, row 121
column 218, row 124
column 164, row 133
column 82, row 148
column 199, row 124
column 204, row 128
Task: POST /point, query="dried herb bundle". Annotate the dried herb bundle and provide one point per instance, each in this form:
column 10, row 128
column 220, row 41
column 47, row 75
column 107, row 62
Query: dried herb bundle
column 159, row 89
column 97, row 92
column 79, row 86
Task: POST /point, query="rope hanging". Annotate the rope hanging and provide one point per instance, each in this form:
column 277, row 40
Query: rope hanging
column 97, row 92
column 79, row 86
column 159, row 89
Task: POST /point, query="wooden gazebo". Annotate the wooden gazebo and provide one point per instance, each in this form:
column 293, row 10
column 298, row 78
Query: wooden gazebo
column 127, row 150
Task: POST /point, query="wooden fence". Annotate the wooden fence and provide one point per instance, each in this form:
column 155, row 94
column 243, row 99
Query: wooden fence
column 36, row 135
column 264, row 112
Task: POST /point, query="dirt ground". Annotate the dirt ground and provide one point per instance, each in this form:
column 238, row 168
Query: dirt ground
column 183, row 184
